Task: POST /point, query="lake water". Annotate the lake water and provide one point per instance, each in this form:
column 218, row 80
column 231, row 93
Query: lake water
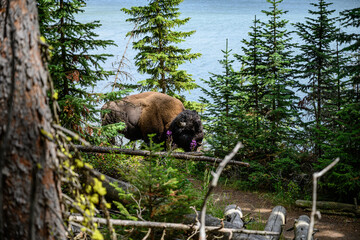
column 214, row 22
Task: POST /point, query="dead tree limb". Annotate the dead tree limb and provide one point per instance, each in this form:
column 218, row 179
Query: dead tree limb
column 177, row 226
column 331, row 207
column 213, row 184
column 184, row 156
column 122, row 61
column 314, row 212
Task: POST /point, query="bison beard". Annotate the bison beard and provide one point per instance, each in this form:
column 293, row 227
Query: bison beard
column 152, row 112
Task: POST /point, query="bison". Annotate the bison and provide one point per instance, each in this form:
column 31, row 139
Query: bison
column 155, row 113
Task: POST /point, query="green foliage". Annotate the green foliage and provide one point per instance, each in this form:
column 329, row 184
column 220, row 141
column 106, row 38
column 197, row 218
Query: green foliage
column 351, row 18
column 331, row 101
column 192, row 105
column 283, row 176
column 220, row 100
column 279, row 99
column 73, row 68
column 162, row 188
column 257, row 105
column 217, row 201
column 81, row 190
column 316, row 63
column 343, row 180
column 120, row 206
column 158, row 54
column 113, row 165
column 164, row 193
column 259, row 224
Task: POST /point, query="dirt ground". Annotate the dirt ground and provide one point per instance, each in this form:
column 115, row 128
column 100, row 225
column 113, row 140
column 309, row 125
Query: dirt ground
column 329, row 226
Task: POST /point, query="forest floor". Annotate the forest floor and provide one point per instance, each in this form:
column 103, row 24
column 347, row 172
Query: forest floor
column 259, row 207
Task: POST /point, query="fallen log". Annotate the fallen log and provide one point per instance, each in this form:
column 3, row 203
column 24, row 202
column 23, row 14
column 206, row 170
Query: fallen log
column 233, row 220
column 212, row 224
column 301, row 228
column 331, row 207
column 233, row 215
column 275, row 222
column 184, row 156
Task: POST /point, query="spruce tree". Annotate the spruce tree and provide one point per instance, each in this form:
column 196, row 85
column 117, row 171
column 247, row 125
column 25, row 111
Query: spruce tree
column 279, row 98
column 351, row 18
column 73, row 68
column 253, row 89
column 252, row 62
column 222, row 122
column 316, row 63
column 344, row 141
column 158, row 53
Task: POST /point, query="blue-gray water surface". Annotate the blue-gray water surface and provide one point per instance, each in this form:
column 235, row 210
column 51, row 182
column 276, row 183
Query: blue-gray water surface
column 213, row 20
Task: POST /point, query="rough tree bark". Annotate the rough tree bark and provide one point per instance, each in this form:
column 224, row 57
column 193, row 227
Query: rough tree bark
column 29, row 187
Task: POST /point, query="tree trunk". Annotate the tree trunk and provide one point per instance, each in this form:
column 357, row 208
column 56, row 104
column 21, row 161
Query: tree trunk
column 29, row 188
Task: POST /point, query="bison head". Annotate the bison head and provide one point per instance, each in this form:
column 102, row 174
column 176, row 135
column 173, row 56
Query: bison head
column 187, row 130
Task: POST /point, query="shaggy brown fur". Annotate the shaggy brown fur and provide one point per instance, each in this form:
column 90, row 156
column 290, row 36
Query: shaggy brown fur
column 153, row 112
column 143, row 113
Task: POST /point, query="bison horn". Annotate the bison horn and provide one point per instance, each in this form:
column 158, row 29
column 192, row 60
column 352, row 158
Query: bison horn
column 182, row 124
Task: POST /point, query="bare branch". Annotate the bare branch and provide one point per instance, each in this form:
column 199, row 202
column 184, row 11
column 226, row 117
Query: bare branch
column 163, row 235
column 317, row 175
column 123, row 58
column 177, row 226
column 147, row 234
column 213, row 184
column 108, row 222
column 184, row 156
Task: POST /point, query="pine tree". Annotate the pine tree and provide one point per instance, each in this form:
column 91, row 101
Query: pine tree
column 252, row 62
column 254, row 89
column 342, row 183
column 351, row 18
column 222, row 122
column 73, row 68
column 158, row 55
column 279, row 98
column 344, row 141
column 316, row 63
column 163, row 193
